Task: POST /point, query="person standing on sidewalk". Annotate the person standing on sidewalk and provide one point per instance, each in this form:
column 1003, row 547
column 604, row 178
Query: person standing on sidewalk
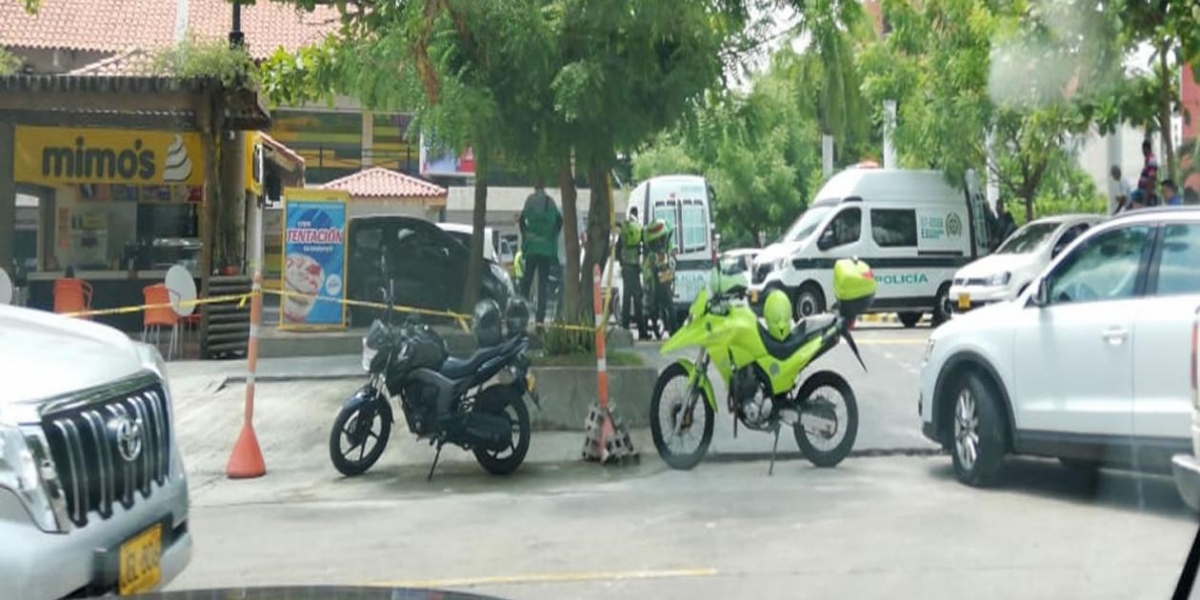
column 1118, row 192
column 1170, row 194
column 630, row 243
column 540, row 224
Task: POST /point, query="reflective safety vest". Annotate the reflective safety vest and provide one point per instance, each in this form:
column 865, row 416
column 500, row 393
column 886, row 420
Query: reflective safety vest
column 631, row 242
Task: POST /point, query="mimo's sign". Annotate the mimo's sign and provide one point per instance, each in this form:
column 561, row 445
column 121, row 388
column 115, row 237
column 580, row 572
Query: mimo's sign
column 53, row 155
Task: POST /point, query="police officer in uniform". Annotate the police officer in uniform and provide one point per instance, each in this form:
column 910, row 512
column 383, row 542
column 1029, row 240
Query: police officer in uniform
column 631, row 272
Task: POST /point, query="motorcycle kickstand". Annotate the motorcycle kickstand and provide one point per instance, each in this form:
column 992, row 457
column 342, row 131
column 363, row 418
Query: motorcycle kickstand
column 436, row 456
column 774, row 449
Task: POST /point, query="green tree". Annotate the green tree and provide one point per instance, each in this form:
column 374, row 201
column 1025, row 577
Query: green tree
column 536, row 80
column 1034, row 74
column 759, row 150
column 832, row 30
column 1172, row 29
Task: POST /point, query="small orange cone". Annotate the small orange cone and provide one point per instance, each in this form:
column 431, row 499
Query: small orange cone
column 246, row 461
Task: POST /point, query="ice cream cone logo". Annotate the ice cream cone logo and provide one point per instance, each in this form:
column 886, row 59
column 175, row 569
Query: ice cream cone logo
column 179, row 165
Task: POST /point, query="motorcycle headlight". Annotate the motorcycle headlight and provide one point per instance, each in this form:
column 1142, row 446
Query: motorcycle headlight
column 999, row 279
column 368, row 355
column 19, row 475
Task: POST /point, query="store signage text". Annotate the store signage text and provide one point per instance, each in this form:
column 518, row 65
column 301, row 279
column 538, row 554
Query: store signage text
column 64, row 156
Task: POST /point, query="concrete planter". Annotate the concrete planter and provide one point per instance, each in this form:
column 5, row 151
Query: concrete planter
column 567, row 392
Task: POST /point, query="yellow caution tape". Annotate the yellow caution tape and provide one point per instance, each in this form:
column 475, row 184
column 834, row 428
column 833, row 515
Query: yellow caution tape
column 123, row 310
column 463, row 320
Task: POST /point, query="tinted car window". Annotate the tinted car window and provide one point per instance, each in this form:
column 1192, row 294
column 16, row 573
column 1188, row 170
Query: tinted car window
column 1104, row 268
column 845, row 228
column 891, row 228
column 1179, row 264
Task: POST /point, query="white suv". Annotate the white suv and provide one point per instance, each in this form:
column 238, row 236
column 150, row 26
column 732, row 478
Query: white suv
column 93, row 495
column 1089, row 364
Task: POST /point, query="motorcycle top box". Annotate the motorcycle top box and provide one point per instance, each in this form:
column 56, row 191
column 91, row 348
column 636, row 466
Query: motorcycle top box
column 854, row 286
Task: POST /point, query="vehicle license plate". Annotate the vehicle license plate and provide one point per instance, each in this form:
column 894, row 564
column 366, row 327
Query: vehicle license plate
column 140, row 568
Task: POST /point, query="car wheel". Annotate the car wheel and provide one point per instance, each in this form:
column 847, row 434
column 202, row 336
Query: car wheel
column 942, row 309
column 977, row 445
column 910, row 319
column 809, row 301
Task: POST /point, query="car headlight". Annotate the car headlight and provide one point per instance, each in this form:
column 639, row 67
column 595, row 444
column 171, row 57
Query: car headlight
column 999, row 279
column 19, row 475
column 152, row 359
column 929, row 344
column 781, row 264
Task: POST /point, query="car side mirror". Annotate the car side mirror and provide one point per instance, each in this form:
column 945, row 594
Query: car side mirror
column 826, row 241
column 1041, row 294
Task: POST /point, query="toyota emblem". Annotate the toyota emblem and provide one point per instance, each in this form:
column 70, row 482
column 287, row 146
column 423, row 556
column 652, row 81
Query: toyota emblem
column 129, row 437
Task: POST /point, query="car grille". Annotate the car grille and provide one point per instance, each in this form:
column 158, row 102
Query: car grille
column 760, row 274
column 91, row 445
column 970, row 281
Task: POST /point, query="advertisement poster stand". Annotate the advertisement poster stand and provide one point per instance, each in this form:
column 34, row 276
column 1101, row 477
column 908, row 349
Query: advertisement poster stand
column 313, row 277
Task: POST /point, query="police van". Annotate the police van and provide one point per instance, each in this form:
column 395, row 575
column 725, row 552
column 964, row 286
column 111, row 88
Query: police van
column 913, row 227
column 685, row 203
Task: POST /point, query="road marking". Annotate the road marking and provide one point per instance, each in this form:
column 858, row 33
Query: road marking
column 547, row 578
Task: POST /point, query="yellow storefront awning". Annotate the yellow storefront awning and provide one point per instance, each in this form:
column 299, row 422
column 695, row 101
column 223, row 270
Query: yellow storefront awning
column 62, row 156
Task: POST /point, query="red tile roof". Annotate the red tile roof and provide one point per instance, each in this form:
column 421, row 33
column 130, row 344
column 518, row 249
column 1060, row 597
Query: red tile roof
column 130, row 63
column 381, row 183
column 117, row 25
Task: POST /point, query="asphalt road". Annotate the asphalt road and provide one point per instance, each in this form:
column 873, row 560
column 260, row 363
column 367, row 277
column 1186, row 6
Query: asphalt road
column 894, row 527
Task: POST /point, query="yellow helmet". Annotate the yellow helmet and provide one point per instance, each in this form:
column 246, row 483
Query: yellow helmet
column 777, row 311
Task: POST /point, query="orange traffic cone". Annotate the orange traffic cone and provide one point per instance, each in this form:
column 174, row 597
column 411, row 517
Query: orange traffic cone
column 246, row 461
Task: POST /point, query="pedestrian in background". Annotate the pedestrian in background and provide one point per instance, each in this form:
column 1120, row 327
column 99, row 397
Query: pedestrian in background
column 1170, row 194
column 630, row 248
column 1118, row 192
column 540, row 224
column 1005, row 225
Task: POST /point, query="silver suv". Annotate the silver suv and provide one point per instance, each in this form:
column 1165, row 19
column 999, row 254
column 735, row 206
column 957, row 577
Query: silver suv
column 93, row 495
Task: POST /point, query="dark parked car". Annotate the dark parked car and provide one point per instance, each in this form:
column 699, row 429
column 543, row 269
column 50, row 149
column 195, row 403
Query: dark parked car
column 427, row 265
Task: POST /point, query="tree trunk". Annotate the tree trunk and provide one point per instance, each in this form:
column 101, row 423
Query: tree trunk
column 598, row 223
column 566, row 184
column 479, row 221
column 1027, row 197
column 1164, row 109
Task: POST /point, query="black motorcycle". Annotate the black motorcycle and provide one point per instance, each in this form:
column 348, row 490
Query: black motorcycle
column 444, row 398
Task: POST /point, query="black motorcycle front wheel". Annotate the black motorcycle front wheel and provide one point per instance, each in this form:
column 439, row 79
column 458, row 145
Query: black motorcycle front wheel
column 504, row 401
column 670, row 406
column 828, row 422
column 359, row 435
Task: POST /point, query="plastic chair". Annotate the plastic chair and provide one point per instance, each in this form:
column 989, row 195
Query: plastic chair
column 156, row 317
column 72, row 295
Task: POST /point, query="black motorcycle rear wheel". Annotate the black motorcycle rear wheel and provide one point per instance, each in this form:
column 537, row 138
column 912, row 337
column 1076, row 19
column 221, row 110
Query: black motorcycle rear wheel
column 505, row 401
column 358, row 426
column 819, row 398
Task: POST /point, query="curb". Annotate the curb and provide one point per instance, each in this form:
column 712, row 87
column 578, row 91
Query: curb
column 880, row 318
column 731, row 457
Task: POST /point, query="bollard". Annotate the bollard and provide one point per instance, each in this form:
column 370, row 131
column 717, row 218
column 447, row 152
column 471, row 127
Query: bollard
column 246, row 461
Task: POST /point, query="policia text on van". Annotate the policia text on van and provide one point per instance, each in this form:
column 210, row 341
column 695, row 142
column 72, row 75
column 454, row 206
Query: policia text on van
column 912, row 227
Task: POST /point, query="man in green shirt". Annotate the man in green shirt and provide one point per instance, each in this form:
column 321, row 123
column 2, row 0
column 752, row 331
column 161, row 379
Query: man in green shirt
column 540, row 224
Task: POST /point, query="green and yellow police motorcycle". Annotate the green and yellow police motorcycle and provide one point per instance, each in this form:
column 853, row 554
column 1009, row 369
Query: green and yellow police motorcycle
column 760, row 363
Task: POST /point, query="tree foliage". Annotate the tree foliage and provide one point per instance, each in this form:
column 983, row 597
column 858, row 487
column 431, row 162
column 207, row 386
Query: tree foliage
column 760, row 151
column 1035, row 74
column 538, row 81
column 9, row 62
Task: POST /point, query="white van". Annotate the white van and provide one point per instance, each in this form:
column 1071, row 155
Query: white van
column 684, row 202
column 912, row 227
